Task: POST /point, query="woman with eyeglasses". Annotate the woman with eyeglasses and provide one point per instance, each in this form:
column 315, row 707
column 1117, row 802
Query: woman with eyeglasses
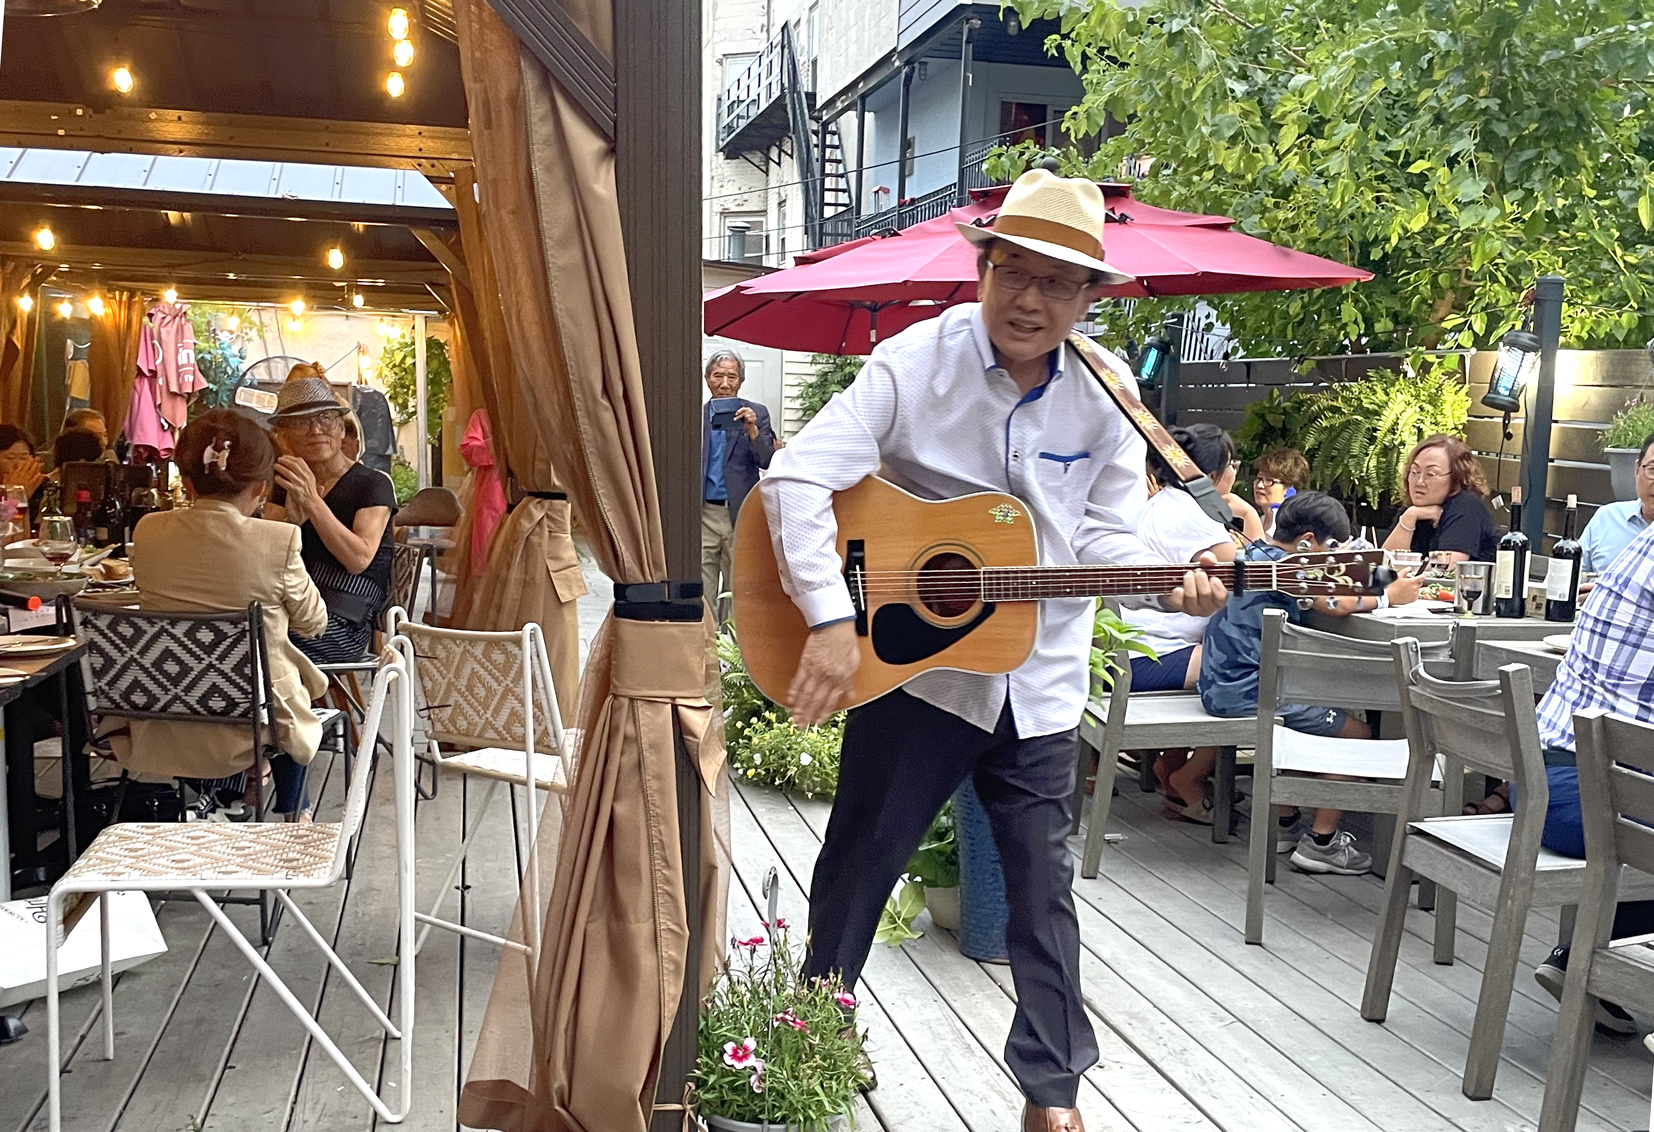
column 343, row 509
column 1448, row 509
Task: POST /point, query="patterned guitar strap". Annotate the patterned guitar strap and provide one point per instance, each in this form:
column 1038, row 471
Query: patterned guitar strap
column 1121, row 385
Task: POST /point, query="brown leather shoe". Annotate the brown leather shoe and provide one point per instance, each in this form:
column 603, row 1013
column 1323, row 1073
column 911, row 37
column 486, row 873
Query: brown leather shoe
column 1036, row 1119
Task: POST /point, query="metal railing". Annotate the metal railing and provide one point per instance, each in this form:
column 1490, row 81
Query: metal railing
column 760, row 84
column 915, row 211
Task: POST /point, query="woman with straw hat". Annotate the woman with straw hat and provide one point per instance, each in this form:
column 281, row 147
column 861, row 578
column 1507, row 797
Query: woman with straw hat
column 343, row 509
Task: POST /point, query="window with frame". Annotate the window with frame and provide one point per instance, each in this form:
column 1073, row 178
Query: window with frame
column 1023, row 121
column 743, row 237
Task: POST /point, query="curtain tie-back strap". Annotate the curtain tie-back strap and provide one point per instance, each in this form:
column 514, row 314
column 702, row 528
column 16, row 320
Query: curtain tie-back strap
column 666, row 661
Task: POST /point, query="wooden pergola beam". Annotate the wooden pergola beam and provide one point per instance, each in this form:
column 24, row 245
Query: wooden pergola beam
column 432, row 150
column 197, row 263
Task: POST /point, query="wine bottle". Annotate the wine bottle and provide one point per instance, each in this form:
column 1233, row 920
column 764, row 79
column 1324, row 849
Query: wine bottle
column 1562, row 578
column 107, row 526
column 1510, row 565
column 83, row 516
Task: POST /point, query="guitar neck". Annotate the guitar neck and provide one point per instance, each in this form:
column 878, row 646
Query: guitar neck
column 1034, row 583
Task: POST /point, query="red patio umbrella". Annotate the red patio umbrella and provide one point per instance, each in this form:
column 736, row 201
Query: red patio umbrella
column 841, row 299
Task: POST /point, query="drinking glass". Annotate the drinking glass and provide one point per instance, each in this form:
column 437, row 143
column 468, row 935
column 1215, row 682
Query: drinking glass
column 57, row 539
column 1406, row 562
column 1473, row 581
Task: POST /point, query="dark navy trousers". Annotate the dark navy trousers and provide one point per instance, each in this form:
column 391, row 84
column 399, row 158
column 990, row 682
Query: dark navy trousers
column 902, row 759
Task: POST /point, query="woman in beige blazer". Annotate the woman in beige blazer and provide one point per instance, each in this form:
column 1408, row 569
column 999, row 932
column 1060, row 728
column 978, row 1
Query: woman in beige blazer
column 215, row 556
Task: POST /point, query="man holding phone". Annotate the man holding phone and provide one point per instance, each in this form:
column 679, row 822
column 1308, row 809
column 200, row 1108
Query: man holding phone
column 736, row 441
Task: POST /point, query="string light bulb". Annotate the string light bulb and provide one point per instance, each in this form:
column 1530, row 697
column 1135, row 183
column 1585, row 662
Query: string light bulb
column 44, row 240
column 170, row 295
column 398, row 23
column 358, row 300
column 394, row 86
column 402, row 52
column 232, row 323
column 297, row 307
column 65, row 309
column 294, row 325
column 95, row 305
column 121, row 79
column 335, row 258
column 25, row 303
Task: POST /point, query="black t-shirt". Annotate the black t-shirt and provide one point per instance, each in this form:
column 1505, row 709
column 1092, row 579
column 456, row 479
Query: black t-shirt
column 1466, row 525
column 358, row 488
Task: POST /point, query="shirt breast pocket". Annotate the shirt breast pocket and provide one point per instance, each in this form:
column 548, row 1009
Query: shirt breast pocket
column 1065, row 481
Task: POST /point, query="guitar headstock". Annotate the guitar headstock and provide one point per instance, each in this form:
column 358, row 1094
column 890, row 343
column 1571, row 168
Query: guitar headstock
column 1339, row 573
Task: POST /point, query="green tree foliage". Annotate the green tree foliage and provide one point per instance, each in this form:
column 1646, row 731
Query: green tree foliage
column 1455, row 148
column 833, row 373
column 220, row 353
column 396, row 363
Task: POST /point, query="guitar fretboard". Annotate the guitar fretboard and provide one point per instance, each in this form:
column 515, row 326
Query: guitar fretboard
column 1032, row 583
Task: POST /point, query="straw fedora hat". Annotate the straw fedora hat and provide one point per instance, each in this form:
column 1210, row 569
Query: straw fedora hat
column 305, row 393
column 1059, row 217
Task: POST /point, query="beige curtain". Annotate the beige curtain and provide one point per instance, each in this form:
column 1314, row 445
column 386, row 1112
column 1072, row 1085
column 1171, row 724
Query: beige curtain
column 113, row 355
column 573, row 1045
column 17, row 339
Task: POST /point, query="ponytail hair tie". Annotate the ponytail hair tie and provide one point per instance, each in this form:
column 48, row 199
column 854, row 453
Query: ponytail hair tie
column 216, row 457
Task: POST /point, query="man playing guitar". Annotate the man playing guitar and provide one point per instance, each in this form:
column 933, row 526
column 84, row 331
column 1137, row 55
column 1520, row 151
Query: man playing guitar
column 984, row 398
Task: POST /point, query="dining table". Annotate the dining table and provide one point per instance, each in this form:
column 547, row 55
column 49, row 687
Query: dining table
column 1541, row 657
column 19, row 832
column 1433, row 621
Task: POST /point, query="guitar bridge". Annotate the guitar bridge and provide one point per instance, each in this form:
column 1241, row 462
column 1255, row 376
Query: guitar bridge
column 855, row 577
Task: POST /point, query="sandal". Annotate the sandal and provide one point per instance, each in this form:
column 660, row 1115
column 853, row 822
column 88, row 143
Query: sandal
column 1497, row 802
column 1200, row 813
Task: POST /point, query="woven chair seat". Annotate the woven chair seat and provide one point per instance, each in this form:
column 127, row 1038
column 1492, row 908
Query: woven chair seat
column 219, row 852
column 507, row 766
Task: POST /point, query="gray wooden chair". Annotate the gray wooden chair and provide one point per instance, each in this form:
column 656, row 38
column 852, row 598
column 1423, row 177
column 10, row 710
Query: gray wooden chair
column 1616, row 795
column 1121, row 721
column 1495, row 861
column 1304, row 666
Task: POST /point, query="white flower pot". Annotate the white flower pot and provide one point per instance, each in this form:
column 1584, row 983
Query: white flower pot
column 1622, row 472
column 725, row 1124
column 944, row 907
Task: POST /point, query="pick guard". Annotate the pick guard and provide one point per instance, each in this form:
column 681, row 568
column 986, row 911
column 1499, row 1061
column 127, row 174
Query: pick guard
column 900, row 636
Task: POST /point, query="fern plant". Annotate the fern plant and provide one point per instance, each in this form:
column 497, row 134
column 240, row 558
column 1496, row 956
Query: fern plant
column 1356, row 435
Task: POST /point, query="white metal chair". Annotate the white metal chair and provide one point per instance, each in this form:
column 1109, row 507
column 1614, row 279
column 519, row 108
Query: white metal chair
column 491, row 695
column 1616, row 798
column 206, row 857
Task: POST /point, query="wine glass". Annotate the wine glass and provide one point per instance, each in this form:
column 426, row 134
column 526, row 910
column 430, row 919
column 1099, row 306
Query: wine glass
column 57, row 540
column 1472, row 579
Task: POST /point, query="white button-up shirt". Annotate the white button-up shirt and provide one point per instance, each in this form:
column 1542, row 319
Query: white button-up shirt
column 935, row 413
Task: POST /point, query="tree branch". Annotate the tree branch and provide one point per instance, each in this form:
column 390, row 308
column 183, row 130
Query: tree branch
column 1233, row 17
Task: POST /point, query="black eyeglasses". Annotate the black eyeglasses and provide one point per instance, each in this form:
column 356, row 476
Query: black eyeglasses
column 1059, row 287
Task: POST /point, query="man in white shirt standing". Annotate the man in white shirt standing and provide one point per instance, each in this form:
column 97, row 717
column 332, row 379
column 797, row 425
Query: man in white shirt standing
column 984, row 398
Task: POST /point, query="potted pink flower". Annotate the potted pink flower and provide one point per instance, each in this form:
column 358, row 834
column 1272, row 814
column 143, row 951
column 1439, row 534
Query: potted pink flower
column 776, row 1053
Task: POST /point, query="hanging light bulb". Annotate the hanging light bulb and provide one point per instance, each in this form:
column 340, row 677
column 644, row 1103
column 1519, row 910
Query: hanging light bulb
column 232, row 323
column 44, row 240
column 335, row 258
column 398, row 23
column 95, row 305
column 402, row 52
column 25, row 303
column 297, row 307
column 294, row 325
column 121, row 79
column 170, row 295
column 394, row 86
column 358, row 300
column 65, row 309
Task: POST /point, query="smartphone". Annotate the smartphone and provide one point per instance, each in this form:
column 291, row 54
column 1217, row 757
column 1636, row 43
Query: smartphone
column 723, row 412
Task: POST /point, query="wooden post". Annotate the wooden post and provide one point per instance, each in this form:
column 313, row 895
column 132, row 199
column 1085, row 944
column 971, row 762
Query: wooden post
column 657, row 175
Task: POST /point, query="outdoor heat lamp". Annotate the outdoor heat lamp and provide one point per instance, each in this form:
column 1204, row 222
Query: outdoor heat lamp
column 1151, row 362
column 1515, row 366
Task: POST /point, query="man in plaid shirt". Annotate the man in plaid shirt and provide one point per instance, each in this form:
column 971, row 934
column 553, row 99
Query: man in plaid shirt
column 1610, row 664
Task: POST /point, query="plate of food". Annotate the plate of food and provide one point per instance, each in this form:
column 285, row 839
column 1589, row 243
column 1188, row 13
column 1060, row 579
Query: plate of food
column 23, row 644
column 1559, row 642
column 44, row 584
column 1436, row 590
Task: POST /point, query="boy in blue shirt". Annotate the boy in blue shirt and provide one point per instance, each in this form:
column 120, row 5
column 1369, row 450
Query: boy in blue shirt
column 1309, row 522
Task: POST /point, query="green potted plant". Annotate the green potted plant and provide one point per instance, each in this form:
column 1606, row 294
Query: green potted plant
column 1622, row 441
column 775, row 1053
column 761, row 741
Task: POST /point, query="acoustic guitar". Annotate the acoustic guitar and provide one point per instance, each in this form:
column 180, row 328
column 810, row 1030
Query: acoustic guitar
column 956, row 583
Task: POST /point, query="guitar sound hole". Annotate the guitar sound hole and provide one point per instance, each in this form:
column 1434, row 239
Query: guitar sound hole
column 949, row 585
